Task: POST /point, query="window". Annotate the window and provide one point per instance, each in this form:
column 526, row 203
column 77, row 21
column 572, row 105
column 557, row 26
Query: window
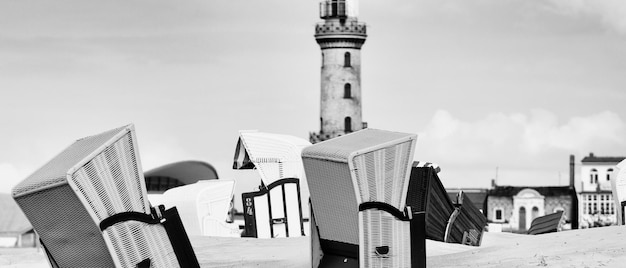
column 608, row 174
column 347, row 124
column 498, row 214
column 347, row 91
column 594, row 176
column 346, row 60
column 535, row 213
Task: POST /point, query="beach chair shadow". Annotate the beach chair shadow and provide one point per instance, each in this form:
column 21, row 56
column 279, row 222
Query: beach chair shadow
column 358, row 185
column 276, row 209
column 90, row 208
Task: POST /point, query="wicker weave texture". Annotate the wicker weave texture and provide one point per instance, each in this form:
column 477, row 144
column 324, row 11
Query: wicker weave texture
column 378, row 230
column 275, row 156
column 55, row 171
column 65, row 227
column 134, row 242
column 111, row 183
column 340, row 148
column 333, row 199
column 383, row 175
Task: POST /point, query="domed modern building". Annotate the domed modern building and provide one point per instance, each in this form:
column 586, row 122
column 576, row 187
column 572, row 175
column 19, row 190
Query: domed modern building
column 163, row 178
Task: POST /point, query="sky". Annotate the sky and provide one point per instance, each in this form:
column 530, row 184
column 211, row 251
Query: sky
column 504, row 89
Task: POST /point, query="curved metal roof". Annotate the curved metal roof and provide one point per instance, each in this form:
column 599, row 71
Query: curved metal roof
column 187, row 172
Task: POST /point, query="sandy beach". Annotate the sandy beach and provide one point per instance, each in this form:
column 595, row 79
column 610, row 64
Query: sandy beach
column 599, row 247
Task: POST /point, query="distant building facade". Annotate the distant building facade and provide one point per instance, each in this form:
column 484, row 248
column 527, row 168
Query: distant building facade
column 514, row 208
column 340, row 38
column 597, row 207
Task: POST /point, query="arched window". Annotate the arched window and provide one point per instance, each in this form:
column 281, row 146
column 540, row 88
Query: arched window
column 594, row 176
column 347, row 91
column 608, row 174
column 346, row 60
column 535, row 213
column 347, row 124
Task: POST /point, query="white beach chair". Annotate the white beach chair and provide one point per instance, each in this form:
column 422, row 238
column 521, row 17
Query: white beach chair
column 276, row 209
column 90, row 209
column 358, row 185
column 204, row 207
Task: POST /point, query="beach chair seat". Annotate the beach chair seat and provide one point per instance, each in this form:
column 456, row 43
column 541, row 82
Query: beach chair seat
column 89, row 206
column 358, row 185
column 276, row 209
column 204, row 207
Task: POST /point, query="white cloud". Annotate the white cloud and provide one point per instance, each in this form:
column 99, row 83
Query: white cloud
column 528, row 147
column 10, row 175
column 612, row 13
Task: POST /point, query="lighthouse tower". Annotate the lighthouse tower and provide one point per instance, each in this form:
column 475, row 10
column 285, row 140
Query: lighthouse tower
column 340, row 37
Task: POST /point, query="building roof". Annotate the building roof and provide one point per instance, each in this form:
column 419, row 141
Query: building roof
column 13, row 220
column 602, row 159
column 187, row 172
column 510, row 191
column 476, row 196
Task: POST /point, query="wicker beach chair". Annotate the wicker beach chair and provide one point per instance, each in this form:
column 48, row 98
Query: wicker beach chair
column 90, row 209
column 358, row 184
column 451, row 221
column 203, row 207
column 276, row 209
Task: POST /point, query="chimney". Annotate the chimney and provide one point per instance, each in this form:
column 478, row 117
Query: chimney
column 493, row 183
column 572, row 166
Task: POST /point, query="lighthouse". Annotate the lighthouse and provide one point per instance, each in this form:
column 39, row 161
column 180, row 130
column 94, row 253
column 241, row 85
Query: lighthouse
column 340, row 37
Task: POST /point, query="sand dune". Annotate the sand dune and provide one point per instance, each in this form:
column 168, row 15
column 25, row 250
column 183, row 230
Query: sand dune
column 599, row 247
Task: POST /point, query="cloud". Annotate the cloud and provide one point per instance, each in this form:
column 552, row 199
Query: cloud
column 612, row 13
column 10, row 175
column 526, row 146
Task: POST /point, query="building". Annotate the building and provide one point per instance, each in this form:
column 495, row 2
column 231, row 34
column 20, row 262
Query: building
column 15, row 229
column 340, row 38
column 597, row 207
column 513, row 208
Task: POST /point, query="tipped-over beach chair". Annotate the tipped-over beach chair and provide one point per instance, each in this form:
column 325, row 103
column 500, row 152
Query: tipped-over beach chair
column 203, row 207
column 446, row 221
column 276, row 209
column 358, row 184
column 90, row 209
column 547, row 224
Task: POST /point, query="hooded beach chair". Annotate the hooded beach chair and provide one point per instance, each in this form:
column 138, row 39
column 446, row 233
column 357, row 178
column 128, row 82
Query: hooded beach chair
column 89, row 206
column 204, row 207
column 276, row 209
column 358, row 184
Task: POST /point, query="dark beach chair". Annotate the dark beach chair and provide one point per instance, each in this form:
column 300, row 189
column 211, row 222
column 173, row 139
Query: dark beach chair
column 358, row 185
column 90, row 208
column 447, row 221
column 547, row 224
